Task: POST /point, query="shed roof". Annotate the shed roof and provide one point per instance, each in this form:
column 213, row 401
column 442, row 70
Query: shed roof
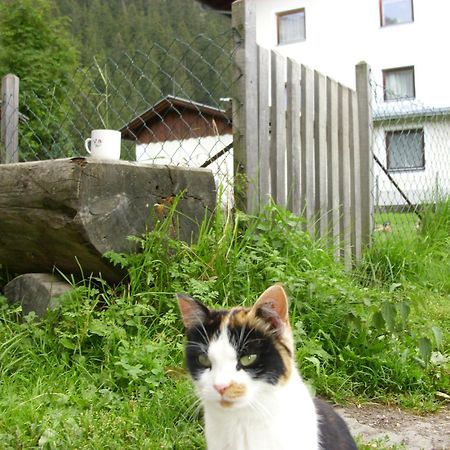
column 157, row 112
column 221, row 5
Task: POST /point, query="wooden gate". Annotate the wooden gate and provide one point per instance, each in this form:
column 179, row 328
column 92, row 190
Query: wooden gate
column 302, row 139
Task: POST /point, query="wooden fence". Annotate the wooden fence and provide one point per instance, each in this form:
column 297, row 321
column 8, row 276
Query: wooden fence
column 303, row 140
column 9, row 119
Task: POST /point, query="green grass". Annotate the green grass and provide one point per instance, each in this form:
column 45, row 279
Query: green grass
column 378, row 444
column 401, row 223
column 415, row 261
column 106, row 369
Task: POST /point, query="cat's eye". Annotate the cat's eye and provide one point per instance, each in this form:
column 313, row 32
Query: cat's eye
column 204, row 360
column 248, row 360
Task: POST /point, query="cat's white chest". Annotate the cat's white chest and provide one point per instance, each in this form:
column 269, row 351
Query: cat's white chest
column 284, row 421
column 266, row 435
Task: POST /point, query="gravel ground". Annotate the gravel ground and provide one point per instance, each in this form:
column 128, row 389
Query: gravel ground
column 415, row 432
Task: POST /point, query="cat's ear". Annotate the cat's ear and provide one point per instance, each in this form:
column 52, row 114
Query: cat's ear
column 272, row 306
column 192, row 311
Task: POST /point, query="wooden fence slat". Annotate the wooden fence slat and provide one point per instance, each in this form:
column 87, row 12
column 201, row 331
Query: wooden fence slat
column 355, row 183
column 365, row 146
column 9, row 133
column 333, row 164
column 320, row 153
column 307, row 145
column 245, row 119
column 293, row 144
column 344, row 169
column 265, row 183
column 278, row 130
column 307, row 142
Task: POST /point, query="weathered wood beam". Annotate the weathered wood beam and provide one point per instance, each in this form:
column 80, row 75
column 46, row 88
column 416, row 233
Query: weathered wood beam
column 67, row 213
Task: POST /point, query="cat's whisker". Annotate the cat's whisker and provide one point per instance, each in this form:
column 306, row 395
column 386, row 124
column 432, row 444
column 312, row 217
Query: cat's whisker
column 204, row 334
column 259, row 407
column 200, row 345
column 249, row 341
column 194, row 408
column 199, row 318
column 244, row 336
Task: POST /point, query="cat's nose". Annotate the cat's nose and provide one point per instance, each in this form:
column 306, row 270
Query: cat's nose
column 221, row 388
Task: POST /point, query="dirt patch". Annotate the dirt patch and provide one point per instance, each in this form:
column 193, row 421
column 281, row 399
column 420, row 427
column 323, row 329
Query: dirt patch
column 415, row 432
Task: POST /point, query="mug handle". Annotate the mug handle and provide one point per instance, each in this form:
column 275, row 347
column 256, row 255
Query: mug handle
column 86, row 145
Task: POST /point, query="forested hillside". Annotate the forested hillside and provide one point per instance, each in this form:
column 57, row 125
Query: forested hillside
column 85, row 64
column 111, row 27
column 147, row 49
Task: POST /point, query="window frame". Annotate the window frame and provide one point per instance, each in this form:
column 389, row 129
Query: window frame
column 388, row 133
column 382, row 21
column 399, row 69
column 282, row 14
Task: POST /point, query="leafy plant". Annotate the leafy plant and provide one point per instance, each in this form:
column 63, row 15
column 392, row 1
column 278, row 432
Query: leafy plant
column 107, row 367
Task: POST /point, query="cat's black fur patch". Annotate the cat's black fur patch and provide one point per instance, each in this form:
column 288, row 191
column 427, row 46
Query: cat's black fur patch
column 201, row 335
column 269, row 365
column 333, row 431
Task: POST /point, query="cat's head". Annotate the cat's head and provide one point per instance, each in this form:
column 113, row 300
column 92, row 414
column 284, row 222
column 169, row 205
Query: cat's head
column 236, row 356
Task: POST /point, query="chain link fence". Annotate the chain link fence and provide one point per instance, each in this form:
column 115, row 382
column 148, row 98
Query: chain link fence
column 411, row 171
column 172, row 105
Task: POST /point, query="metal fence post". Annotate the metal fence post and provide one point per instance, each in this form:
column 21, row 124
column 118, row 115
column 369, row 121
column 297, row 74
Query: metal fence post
column 364, row 96
column 9, row 134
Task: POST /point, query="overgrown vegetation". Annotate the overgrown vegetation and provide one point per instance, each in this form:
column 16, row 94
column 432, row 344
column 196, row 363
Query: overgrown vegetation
column 106, row 369
column 36, row 46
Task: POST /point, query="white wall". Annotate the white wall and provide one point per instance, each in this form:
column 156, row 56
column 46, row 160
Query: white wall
column 341, row 34
column 193, row 153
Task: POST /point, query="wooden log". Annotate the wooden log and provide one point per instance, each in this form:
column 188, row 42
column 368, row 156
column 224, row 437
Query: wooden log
column 67, row 213
column 36, row 292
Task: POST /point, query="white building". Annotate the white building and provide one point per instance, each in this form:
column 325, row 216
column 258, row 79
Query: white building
column 405, row 44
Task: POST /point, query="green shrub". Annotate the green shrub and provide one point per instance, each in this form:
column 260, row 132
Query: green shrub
column 111, row 358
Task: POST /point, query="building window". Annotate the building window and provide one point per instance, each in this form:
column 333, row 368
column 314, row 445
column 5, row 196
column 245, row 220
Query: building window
column 405, row 149
column 399, row 83
column 291, row 26
column 394, row 12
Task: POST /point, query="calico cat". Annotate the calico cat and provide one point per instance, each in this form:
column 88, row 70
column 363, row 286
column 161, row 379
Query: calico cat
column 241, row 362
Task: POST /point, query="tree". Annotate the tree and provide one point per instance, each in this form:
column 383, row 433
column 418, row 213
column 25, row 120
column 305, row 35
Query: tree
column 36, row 46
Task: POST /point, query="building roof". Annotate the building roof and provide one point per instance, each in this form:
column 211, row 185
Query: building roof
column 157, row 112
column 219, row 5
column 383, row 114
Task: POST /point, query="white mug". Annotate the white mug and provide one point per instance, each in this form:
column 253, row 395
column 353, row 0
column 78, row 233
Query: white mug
column 105, row 144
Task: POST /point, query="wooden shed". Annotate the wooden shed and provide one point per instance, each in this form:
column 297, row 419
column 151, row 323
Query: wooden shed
column 181, row 132
column 174, row 119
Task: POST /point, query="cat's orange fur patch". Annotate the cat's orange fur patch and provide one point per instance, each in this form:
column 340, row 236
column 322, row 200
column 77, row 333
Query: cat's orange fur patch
column 233, row 392
column 287, row 361
column 225, row 403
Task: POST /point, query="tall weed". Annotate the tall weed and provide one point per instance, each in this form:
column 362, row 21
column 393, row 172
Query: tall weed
column 352, row 340
column 111, row 358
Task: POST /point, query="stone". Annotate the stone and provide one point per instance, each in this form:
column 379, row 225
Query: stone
column 36, row 292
